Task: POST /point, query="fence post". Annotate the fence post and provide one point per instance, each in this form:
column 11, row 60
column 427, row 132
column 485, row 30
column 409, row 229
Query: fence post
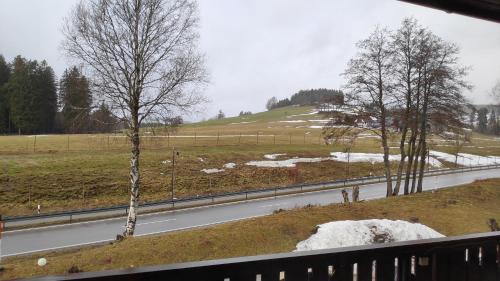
column 257, row 137
column 217, row 138
column 67, row 146
column 34, row 145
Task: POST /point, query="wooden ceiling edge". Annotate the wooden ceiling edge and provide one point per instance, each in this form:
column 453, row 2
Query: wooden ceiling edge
column 471, row 8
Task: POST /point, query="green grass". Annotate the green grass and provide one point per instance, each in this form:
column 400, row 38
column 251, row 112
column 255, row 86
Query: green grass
column 451, row 211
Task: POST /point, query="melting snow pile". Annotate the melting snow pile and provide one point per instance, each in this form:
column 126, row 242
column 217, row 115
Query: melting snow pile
column 365, row 232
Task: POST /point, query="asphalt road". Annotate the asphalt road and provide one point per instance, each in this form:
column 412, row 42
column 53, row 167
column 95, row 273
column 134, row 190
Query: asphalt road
column 19, row 242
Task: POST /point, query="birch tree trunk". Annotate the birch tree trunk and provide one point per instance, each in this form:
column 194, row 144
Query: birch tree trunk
column 134, row 181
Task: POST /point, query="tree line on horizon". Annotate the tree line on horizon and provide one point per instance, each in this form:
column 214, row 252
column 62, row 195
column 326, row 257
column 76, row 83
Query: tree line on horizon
column 484, row 119
column 32, row 101
column 308, row 97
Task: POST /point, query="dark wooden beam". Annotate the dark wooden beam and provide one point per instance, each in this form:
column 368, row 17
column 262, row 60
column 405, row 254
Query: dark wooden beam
column 482, row 9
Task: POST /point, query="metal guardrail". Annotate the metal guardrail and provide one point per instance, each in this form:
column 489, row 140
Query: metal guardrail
column 217, row 198
column 474, row 257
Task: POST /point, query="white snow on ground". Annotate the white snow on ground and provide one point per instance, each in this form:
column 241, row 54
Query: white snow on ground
column 435, row 159
column 362, row 157
column 465, row 159
column 310, row 113
column 320, row 120
column 288, row 163
column 38, row 136
column 244, row 122
column 293, row 121
column 365, row 232
column 374, row 158
column 273, row 156
column 201, row 159
column 315, row 127
column 212, row 171
column 165, row 161
column 229, row 165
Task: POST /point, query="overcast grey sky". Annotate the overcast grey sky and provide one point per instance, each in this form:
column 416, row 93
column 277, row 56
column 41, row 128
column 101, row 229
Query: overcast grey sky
column 256, row 49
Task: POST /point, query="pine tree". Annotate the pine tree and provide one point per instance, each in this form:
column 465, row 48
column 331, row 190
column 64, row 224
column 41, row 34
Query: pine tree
column 103, row 120
column 76, row 101
column 32, row 96
column 482, row 118
column 4, row 100
column 492, row 122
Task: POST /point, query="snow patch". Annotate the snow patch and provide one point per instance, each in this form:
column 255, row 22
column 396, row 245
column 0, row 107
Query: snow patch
column 320, row 120
column 244, row 122
column 293, row 121
column 288, row 163
column 201, row 159
column 165, row 161
column 212, row 171
column 373, row 158
column 310, row 113
column 229, row 165
column 365, row 232
column 273, row 156
column 465, row 159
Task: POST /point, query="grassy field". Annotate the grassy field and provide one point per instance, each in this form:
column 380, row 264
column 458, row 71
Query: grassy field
column 445, row 210
column 63, row 172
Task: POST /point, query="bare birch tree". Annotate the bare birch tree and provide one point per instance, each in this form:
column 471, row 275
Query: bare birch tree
column 144, row 61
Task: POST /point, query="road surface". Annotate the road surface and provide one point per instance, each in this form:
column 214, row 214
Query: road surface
column 26, row 241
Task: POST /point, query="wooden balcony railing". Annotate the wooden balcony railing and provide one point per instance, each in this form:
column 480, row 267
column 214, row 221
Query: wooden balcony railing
column 471, row 257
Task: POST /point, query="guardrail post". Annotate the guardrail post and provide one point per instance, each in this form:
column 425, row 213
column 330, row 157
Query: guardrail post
column 70, row 218
column 246, row 195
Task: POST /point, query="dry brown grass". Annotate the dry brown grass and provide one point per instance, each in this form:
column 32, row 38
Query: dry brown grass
column 451, row 211
column 58, row 178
